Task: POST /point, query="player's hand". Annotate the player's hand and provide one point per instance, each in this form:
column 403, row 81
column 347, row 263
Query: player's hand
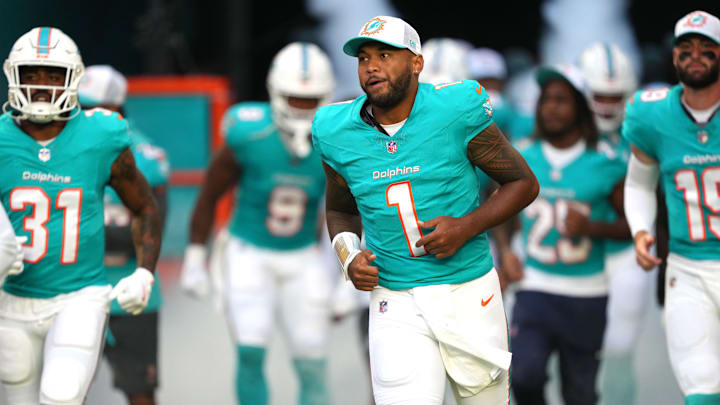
column 133, row 291
column 194, row 278
column 449, row 235
column 575, row 223
column 362, row 273
column 643, row 241
column 511, row 269
column 18, row 265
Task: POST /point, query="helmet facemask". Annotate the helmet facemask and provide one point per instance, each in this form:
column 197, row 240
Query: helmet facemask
column 294, row 123
column 608, row 109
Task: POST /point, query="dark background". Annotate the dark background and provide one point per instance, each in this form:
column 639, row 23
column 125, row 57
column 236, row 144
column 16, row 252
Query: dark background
column 238, row 38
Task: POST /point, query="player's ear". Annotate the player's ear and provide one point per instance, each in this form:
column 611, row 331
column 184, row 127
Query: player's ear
column 417, row 64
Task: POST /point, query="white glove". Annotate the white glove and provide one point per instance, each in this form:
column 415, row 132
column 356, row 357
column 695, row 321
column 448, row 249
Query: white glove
column 133, row 291
column 194, row 278
column 17, row 265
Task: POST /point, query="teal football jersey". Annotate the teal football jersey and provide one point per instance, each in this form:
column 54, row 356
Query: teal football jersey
column 54, row 196
column 689, row 159
column 613, row 143
column 585, row 184
column 153, row 164
column 418, row 174
column 278, row 195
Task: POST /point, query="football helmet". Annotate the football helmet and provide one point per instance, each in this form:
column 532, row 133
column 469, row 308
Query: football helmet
column 43, row 46
column 486, row 63
column 445, row 60
column 608, row 72
column 102, row 85
column 302, row 70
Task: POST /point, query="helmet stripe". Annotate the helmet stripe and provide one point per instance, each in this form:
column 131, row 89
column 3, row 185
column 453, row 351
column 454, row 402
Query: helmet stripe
column 304, row 62
column 609, row 57
column 43, row 44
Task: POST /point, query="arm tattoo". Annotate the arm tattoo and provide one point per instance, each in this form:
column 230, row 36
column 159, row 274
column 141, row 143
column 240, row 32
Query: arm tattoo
column 491, row 152
column 134, row 190
column 340, row 206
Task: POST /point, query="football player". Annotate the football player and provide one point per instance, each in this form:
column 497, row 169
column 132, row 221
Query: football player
column 446, row 60
column 131, row 346
column 611, row 80
column 400, row 165
column 560, row 305
column 675, row 137
column 272, row 260
column 57, row 161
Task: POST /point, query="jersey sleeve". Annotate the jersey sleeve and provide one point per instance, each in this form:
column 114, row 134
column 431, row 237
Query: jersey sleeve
column 635, row 128
column 242, row 120
column 152, row 162
column 477, row 109
column 116, row 135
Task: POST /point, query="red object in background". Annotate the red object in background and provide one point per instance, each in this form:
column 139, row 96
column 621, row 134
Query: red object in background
column 217, row 89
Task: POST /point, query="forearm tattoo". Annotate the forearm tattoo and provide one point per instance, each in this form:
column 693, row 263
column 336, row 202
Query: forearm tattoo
column 136, row 194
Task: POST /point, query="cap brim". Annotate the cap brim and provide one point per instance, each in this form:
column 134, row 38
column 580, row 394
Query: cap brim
column 352, row 46
column 692, row 32
column 545, row 74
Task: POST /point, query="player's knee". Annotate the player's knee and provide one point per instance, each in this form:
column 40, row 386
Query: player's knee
column 619, row 341
column 700, row 374
column 528, row 375
column 64, row 380
column 17, row 359
column 313, row 388
column 392, row 365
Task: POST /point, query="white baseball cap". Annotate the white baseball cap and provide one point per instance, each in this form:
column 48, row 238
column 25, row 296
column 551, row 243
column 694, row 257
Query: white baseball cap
column 486, row 63
column 389, row 30
column 102, row 85
column 563, row 71
column 698, row 22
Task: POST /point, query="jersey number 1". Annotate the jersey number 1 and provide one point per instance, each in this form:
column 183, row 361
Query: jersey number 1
column 400, row 195
column 69, row 201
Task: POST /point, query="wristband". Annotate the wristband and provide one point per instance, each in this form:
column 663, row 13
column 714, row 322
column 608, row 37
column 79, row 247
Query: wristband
column 346, row 246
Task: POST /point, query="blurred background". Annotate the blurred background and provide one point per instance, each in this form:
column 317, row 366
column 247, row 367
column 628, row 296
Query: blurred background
column 188, row 60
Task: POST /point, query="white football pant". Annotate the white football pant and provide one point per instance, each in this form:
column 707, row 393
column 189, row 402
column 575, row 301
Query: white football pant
column 416, row 337
column 628, row 300
column 49, row 348
column 295, row 283
column 692, row 323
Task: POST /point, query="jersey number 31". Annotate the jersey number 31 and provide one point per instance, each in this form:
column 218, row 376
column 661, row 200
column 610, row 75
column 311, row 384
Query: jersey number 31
column 69, row 201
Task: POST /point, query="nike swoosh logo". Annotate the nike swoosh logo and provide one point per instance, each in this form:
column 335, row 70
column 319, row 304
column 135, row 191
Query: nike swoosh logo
column 479, row 90
column 487, row 301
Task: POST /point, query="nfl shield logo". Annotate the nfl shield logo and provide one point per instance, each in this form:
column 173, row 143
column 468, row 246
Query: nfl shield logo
column 44, row 154
column 391, row 146
column 383, row 307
